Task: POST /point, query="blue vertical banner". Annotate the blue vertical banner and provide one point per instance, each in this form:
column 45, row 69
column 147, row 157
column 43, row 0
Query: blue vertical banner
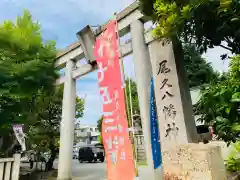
column 155, row 138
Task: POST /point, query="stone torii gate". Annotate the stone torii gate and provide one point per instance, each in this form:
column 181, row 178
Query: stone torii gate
column 151, row 59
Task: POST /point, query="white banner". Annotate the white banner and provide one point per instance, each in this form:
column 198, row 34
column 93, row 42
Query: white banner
column 18, row 130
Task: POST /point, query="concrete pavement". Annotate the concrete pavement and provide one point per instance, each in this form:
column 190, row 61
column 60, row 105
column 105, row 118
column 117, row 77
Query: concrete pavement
column 87, row 171
column 97, row 171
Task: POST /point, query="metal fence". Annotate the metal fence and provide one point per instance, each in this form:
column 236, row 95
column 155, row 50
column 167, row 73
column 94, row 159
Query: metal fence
column 140, row 148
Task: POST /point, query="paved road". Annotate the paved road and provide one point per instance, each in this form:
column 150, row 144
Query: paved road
column 88, row 171
column 93, row 171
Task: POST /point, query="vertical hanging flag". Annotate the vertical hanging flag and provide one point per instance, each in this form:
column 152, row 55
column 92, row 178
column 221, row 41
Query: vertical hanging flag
column 117, row 144
column 155, row 138
column 18, row 131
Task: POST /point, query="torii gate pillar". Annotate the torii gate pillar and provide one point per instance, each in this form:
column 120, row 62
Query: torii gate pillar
column 143, row 71
column 67, row 124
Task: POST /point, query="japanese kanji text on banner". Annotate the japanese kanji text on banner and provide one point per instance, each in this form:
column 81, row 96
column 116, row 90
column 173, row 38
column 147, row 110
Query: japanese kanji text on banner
column 119, row 154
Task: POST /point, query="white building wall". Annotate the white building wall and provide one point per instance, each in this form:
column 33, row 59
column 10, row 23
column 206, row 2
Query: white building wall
column 82, row 130
column 195, row 95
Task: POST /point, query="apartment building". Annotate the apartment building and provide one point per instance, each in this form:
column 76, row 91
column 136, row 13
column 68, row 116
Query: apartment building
column 84, row 132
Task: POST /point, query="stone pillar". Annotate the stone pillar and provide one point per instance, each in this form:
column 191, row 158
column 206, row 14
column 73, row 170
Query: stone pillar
column 67, row 124
column 143, row 71
column 196, row 162
column 174, row 105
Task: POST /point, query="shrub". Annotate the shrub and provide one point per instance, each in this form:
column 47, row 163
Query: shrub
column 233, row 162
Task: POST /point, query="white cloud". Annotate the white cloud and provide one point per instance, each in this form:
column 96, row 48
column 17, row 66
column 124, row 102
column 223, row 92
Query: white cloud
column 61, row 19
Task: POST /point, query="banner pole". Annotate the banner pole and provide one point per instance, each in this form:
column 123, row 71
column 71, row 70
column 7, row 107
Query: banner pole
column 125, row 92
column 131, row 108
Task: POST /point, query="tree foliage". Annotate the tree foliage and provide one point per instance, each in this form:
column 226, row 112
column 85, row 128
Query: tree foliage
column 99, row 127
column 26, row 66
column 131, row 90
column 99, row 124
column 233, row 161
column 199, row 72
column 219, row 104
column 45, row 131
column 207, row 23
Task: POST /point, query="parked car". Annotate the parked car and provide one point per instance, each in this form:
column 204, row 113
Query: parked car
column 91, row 153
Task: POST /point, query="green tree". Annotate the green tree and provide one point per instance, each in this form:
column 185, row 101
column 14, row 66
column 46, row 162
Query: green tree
column 219, row 104
column 207, row 23
column 199, row 72
column 26, row 66
column 233, row 161
column 131, row 85
column 45, row 132
column 99, row 124
column 99, row 127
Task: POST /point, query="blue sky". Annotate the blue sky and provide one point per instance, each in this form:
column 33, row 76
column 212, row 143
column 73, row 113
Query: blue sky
column 61, row 19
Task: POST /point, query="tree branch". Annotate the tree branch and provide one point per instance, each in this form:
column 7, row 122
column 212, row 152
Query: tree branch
column 230, row 49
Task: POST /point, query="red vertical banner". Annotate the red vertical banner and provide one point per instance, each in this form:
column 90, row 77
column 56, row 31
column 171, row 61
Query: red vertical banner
column 117, row 144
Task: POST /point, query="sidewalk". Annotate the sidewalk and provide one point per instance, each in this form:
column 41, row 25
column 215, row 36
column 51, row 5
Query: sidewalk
column 28, row 174
column 143, row 173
